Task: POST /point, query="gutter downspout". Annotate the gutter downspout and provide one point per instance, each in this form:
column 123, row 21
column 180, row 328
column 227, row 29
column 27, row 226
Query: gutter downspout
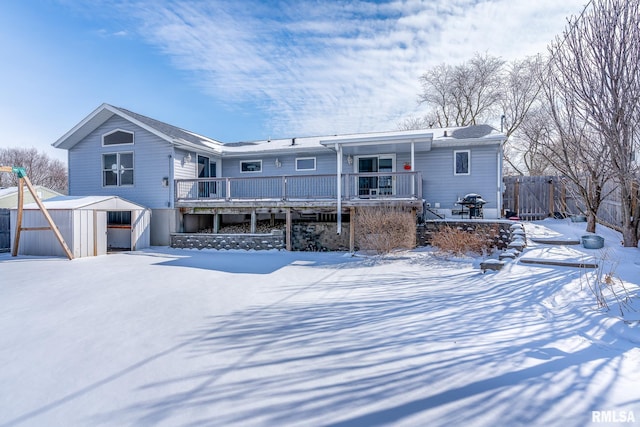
column 339, row 187
column 413, row 168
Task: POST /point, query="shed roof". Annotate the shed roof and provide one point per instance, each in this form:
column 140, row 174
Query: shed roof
column 104, row 203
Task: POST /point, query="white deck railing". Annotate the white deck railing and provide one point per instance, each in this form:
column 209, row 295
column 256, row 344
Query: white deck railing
column 381, row 185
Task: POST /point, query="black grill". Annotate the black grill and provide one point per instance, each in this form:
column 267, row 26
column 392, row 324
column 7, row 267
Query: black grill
column 474, row 203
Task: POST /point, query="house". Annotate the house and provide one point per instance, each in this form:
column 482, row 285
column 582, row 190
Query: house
column 9, row 195
column 193, row 183
column 89, row 225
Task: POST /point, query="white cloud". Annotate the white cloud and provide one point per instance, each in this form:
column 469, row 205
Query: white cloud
column 334, row 67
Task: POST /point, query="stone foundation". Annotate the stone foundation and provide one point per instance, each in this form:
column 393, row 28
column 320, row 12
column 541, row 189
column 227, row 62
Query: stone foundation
column 319, row 236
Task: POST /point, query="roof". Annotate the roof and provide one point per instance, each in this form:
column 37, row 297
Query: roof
column 172, row 134
column 423, row 139
column 112, row 203
column 9, row 191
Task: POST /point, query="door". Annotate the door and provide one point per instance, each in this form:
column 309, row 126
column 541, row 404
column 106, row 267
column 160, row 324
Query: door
column 119, row 231
column 367, row 185
column 204, row 171
column 100, row 239
column 376, row 185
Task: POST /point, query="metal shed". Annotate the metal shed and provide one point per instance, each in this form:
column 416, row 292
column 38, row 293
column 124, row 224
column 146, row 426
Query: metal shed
column 90, row 225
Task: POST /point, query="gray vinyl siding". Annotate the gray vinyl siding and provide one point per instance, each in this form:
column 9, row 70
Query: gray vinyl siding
column 325, row 164
column 152, row 162
column 441, row 185
column 185, row 169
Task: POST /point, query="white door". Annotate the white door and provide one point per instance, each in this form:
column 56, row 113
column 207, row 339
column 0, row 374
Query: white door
column 376, row 185
column 100, row 238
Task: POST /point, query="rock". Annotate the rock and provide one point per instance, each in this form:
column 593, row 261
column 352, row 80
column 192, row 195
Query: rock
column 491, row 264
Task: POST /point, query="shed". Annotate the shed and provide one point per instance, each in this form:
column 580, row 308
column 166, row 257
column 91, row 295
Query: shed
column 90, row 225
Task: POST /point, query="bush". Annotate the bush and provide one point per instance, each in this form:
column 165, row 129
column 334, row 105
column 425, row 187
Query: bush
column 385, row 228
column 460, row 242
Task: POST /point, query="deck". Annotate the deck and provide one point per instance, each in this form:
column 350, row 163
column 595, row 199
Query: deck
column 301, row 192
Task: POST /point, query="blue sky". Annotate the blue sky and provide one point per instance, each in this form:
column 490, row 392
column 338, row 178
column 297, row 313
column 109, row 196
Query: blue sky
column 246, row 70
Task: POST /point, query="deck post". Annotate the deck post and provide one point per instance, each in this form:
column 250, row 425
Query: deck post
column 413, row 159
column 288, row 230
column 253, row 221
column 216, row 222
column 352, row 229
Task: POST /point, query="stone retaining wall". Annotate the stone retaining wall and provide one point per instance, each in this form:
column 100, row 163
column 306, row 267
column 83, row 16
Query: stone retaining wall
column 257, row 242
column 322, row 236
column 496, row 230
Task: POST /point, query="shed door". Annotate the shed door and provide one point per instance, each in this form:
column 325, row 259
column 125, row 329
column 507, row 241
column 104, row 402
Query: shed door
column 119, row 230
column 100, row 238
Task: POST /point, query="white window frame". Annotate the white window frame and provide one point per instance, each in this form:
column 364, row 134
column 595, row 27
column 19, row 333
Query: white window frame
column 118, row 166
column 455, row 162
column 251, row 161
column 306, row 169
column 133, row 138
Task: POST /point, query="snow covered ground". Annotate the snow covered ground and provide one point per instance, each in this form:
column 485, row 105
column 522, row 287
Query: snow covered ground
column 167, row 337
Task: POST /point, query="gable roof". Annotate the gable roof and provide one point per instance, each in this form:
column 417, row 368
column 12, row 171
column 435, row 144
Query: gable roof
column 172, row 134
column 424, row 139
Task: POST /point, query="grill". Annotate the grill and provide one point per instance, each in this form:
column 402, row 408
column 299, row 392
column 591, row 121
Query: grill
column 474, row 203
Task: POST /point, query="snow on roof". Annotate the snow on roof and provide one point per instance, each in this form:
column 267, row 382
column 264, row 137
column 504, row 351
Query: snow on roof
column 86, row 202
column 439, row 136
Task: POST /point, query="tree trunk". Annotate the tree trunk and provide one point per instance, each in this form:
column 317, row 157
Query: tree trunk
column 591, row 222
column 630, row 215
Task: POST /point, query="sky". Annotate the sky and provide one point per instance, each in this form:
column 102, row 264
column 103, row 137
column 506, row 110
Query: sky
column 246, row 70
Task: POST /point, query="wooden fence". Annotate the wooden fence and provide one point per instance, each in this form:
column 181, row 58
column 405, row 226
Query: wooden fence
column 539, row 197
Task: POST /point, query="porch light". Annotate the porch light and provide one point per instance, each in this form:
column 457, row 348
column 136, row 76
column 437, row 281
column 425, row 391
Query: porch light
column 187, row 158
column 349, row 159
column 278, row 163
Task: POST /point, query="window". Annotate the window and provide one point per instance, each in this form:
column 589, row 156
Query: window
column 462, row 162
column 249, row 166
column 117, row 137
column 117, row 169
column 306, row 164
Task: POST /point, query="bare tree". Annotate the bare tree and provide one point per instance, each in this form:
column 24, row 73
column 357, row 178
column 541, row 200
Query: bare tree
column 41, row 169
column 595, row 67
column 522, row 119
column 524, row 151
column 466, row 94
column 414, row 123
column 481, row 90
column 575, row 150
